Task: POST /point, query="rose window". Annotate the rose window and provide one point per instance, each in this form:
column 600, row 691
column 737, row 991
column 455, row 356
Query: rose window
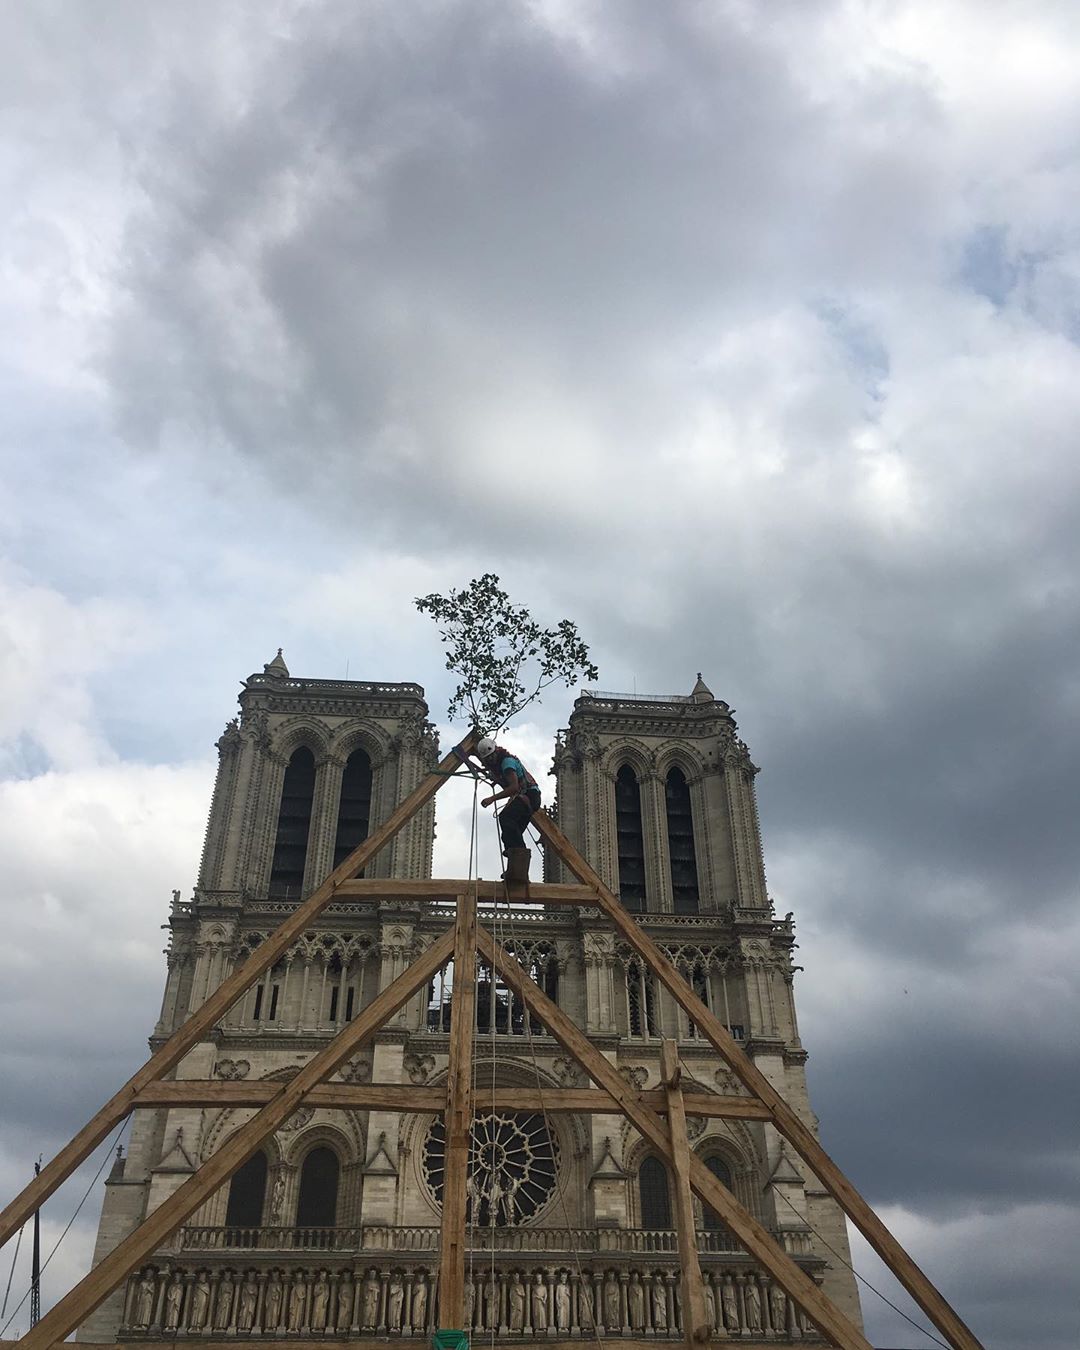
column 513, row 1160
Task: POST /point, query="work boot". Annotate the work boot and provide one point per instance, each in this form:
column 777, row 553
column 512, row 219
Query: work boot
column 517, row 865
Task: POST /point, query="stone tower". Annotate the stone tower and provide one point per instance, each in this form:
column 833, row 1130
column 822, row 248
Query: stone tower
column 333, row 1227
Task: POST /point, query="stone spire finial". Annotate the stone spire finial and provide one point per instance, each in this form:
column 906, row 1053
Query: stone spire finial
column 701, row 693
column 277, row 666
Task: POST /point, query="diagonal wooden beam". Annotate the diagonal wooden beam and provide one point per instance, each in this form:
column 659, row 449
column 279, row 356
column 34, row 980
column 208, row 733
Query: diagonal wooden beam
column 220, row 1001
column 81, row 1301
column 759, row 1243
column 929, row 1299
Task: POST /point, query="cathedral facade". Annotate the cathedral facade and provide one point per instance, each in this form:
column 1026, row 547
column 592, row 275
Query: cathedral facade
column 332, row 1228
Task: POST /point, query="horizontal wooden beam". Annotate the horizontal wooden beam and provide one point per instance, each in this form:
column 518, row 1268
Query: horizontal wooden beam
column 404, row 1342
column 440, row 888
column 405, row 1097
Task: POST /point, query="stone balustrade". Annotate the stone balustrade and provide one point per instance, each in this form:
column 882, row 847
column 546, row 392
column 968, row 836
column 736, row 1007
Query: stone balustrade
column 416, row 1238
column 171, row 1301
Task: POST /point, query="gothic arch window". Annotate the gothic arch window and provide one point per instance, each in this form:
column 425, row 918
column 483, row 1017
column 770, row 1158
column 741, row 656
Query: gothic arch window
column 247, row 1192
column 654, row 1194
column 316, row 1206
column 698, row 979
column 641, row 1003
column 680, row 829
column 354, row 809
column 631, row 839
column 718, row 1166
column 294, row 824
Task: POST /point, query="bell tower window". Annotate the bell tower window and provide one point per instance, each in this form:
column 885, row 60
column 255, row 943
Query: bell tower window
column 354, row 811
column 680, row 828
column 630, row 840
column 294, row 824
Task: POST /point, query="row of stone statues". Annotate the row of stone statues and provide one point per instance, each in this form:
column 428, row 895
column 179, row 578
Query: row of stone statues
column 541, row 1301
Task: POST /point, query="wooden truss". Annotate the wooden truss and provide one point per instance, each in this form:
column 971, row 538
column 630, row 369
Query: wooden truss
column 658, row 1115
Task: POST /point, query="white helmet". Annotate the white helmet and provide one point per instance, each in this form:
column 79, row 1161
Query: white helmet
column 485, row 747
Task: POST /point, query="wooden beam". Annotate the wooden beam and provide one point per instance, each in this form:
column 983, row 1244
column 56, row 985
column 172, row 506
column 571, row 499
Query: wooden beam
column 405, row 1097
column 829, row 1320
column 459, row 1116
column 218, row 1004
column 329, row 1096
column 696, row 1320
column 329, row 1342
column 939, row 1311
column 81, row 1301
column 440, row 888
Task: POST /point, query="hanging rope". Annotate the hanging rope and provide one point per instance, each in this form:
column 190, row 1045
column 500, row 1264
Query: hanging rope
column 44, row 1266
column 861, row 1278
column 11, row 1272
column 538, row 1075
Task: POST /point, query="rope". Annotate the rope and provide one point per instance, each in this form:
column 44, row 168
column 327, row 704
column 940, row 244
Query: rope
column 861, row 1278
column 589, row 1293
column 11, row 1272
column 473, row 841
column 108, row 1154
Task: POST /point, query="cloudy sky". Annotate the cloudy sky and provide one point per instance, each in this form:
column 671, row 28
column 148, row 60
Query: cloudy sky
column 744, row 334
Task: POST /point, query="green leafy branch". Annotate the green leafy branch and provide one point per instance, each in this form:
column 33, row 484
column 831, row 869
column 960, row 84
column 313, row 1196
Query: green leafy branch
column 503, row 658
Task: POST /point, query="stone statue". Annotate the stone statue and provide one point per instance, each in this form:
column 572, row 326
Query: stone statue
column 320, row 1302
column 144, row 1305
column 343, row 1320
column 753, row 1305
column 371, row 1301
column 277, row 1199
column 635, row 1300
column 495, row 1197
column 249, row 1297
column 540, row 1303
column 517, row 1303
column 200, row 1302
column 612, row 1314
column 509, row 1198
column 419, row 1302
column 394, row 1302
column 778, row 1309
column 224, row 1302
column 174, row 1297
column 297, row 1301
column 562, row 1303
column 659, row 1304
column 470, row 1303
column 731, row 1306
column 585, row 1304
column 491, row 1304
column 272, row 1315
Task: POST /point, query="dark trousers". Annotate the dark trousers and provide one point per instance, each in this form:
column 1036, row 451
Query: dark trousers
column 515, row 815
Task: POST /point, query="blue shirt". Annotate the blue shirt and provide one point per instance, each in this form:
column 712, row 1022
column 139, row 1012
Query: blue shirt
column 511, row 764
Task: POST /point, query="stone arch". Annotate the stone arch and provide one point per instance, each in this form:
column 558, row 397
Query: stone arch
column 679, row 755
column 362, row 735
column 300, row 731
column 323, row 1134
column 628, row 750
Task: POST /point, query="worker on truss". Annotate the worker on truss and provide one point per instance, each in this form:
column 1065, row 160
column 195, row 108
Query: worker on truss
column 518, row 788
